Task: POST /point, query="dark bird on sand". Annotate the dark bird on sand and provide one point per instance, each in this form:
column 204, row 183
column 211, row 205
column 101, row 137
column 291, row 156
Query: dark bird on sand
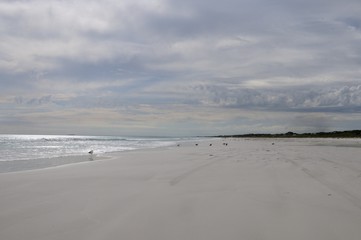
column 91, row 152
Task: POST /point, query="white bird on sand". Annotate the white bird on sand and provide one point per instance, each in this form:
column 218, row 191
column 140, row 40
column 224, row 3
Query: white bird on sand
column 91, row 152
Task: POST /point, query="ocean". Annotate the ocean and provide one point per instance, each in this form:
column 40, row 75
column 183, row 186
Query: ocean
column 26, row 152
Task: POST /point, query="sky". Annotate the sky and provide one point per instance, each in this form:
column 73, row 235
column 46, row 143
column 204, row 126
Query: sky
column 179, row 68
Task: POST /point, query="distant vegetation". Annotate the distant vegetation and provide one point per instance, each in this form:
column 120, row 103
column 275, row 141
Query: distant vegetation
column 335, row 134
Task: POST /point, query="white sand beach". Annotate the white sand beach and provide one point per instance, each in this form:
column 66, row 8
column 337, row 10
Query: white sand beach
column 251, row 189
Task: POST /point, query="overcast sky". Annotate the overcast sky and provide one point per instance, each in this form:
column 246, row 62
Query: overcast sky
column 190, row 67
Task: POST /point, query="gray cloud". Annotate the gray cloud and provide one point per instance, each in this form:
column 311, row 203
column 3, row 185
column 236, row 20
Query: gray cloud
column 33, row 101
column 344, row 98
column 278, row 56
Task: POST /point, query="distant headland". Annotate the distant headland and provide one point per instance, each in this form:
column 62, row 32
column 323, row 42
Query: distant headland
column 334, row 134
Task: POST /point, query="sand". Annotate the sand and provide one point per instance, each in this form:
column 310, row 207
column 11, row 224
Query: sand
column 250, row 189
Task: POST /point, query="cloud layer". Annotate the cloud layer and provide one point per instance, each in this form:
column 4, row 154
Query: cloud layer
column 175, row 67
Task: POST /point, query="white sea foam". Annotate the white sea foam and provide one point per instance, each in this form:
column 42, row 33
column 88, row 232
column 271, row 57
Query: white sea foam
column 23, row 152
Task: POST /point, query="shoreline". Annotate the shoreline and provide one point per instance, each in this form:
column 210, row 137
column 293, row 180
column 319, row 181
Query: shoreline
column 15, row 166
column 250, row 189
column 45, row 163
column 25, row 152
column 57, row 161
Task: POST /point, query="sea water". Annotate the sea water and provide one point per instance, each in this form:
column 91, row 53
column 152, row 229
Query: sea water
column 25, row 152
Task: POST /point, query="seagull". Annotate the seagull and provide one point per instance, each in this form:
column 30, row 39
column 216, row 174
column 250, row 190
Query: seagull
column 91, row 152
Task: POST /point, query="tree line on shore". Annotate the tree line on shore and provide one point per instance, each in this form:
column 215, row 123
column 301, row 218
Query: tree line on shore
column 334, row 134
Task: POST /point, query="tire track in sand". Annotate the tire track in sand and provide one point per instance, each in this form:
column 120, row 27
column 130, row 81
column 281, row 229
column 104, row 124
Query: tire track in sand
column 335, row 188
column 190, row 172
